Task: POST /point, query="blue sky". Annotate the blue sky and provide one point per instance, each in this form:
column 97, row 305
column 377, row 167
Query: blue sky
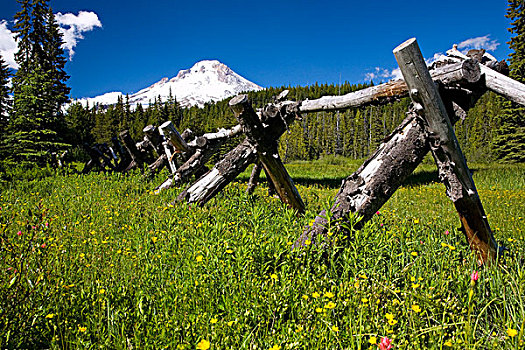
column 271, row 43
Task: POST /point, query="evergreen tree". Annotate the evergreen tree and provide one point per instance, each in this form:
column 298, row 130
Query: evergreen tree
column 38, row 86
column 55, row 61
column 4, row 103
column 4, row 94
column 510, row 142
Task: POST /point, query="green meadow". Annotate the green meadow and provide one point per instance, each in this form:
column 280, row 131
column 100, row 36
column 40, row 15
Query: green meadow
column 98, row 261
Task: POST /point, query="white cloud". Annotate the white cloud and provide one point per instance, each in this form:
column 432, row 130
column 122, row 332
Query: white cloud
column 383, row 74
column 73, row 26
column 8, row 45
column 480, row 42
column 395, row 74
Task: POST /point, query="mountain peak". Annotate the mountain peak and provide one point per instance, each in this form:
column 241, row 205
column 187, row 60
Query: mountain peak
column 206, row 81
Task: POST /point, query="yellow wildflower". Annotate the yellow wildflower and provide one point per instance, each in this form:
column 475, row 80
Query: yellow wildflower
column 512, row 332
column 203, row 345
column 373, row 340
column 416, row 308
column 329, row 294
column 330, row 305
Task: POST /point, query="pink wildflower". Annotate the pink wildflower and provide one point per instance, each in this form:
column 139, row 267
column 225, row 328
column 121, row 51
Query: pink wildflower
column 43, row 245
column 378, row 213
column 19, row 233
column 446, row 232
column 474, row 276
column 385, row 344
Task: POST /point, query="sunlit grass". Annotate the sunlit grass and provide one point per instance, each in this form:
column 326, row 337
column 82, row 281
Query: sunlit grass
column 98, row 261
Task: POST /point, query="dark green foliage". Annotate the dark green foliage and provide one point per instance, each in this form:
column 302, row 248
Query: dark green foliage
column 4, row 95
column 316, row 135
column 39, row 90
column 510, row 142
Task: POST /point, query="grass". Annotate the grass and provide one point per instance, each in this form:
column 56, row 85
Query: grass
column 97, row 261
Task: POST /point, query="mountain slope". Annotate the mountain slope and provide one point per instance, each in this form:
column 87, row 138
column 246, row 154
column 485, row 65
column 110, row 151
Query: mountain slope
column 206, row 81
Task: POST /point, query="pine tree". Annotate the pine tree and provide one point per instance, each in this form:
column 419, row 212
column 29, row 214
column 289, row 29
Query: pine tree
column 4, row 103
column 510, row 142
column 38, row 86
column 4, row 94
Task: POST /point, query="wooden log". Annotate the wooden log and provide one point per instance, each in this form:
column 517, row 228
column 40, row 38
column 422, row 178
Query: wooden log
column 221, row 134
column 201, row 149
column 168, row 150
column 496, row 81
column 131, row 147
column 153, row 136
column 276, row 117
column 365, row 191
column 124, row 158
column 465, row 71
column 171, row 133
column 452, row 166
column 211, row 183
column 254, row 178
column 263, row 138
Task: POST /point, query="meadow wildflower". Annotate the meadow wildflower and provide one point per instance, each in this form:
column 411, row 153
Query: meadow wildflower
column 448, row 343
column 199, row 258
column 512, row 332
column 316, row 295
column 273, row 276
column 329, row 294
column 203, row 345
column 82, row 329
column 53, row 315
column 413, row 253
column 275, row 347
column 19, row 233
column 474, row 276
column 318, row 310
column 416, row 308
column 385, row 344
column 335, row 328
column 330, row 305
column 373, row 340
column 213, row 320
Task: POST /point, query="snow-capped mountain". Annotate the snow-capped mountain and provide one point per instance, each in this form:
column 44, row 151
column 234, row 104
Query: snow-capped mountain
column 206, row 81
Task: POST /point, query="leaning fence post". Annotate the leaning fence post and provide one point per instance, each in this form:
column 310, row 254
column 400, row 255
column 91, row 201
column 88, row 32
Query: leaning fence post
column 266, row 144
column 451, row 163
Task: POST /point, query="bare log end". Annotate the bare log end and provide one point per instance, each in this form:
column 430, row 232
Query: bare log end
column 238, row 102
column 409, row 42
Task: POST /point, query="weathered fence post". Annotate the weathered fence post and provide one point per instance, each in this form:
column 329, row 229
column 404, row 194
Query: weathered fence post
column 452, row 167
column 261, row 136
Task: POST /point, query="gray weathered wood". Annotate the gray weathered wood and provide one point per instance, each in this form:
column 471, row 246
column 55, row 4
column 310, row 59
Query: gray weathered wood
column 211, row 183
column 496, row 81
column 365, row 191
column 466, row 71
column 452, row 166
column 263, row 138
column 254, row 178
column 170, row 132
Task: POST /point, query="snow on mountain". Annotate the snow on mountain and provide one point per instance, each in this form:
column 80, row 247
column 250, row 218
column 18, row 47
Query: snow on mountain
column 206, row 81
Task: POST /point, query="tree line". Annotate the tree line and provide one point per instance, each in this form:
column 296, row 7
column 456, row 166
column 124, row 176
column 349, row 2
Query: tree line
column 33, row 122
